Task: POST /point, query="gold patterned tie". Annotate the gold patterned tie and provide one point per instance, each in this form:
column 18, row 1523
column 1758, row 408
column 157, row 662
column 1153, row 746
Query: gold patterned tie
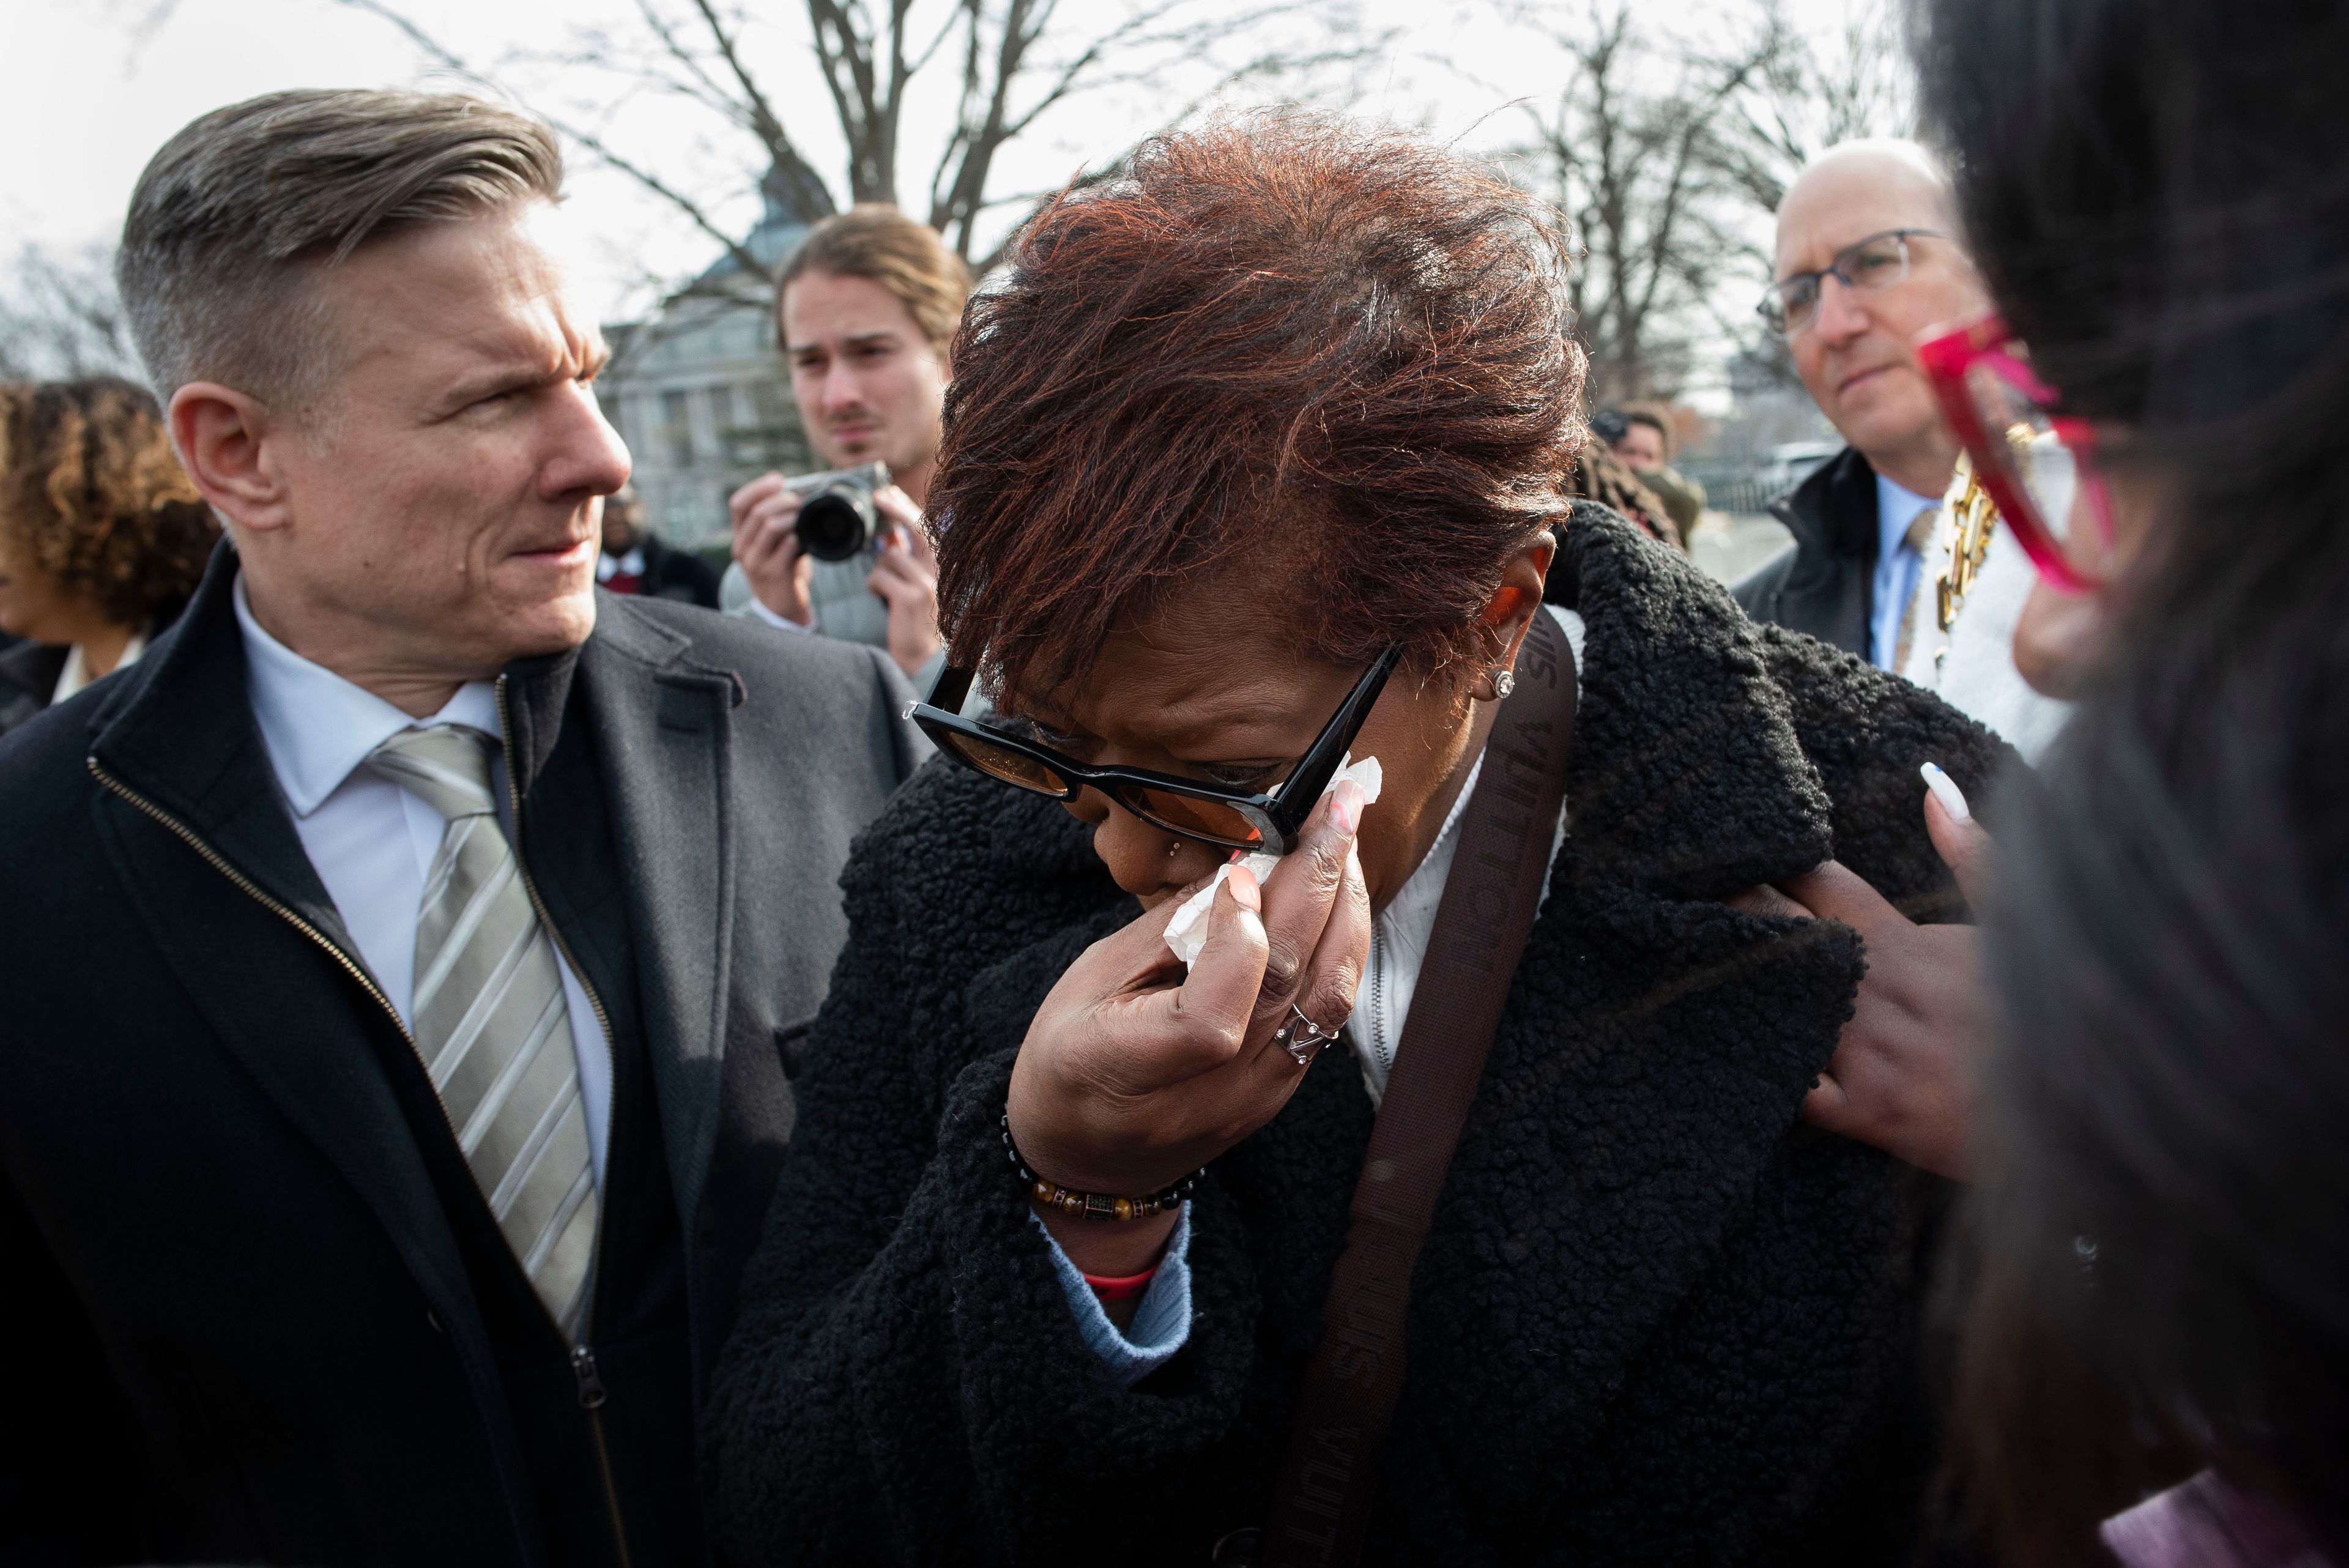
column 1920, row 534
column 490, row 1021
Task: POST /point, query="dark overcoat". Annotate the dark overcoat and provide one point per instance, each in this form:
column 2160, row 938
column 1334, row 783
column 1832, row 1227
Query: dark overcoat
column 1658, row 1320
column 1824, row 582
column 256, row 1309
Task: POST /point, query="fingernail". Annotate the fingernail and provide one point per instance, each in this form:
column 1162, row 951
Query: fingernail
column 1346, row 806
column 1945, row 790
column 1245, row 892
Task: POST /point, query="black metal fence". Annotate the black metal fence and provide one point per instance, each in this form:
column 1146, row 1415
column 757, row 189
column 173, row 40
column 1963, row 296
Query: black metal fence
column 1734, row 492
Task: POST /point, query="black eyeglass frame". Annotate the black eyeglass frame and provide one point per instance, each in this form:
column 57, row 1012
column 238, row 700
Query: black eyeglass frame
column 1278, row 816
column 1777, row 293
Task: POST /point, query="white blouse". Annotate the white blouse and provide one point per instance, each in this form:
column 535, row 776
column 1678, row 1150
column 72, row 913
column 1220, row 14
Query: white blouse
column 75, row 673
column 1400, row 934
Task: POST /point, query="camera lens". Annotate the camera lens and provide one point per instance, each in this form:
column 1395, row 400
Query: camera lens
column 835, row 523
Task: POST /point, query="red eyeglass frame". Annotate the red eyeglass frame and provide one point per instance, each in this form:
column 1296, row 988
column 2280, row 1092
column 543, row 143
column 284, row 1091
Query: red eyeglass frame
column 1947, row 357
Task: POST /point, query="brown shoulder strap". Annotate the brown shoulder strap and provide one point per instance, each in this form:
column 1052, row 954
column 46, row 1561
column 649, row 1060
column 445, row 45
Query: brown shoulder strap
column 1321, row 1505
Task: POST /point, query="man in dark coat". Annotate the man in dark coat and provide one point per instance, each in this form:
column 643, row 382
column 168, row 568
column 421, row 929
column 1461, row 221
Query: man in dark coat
column 636, row 561
column 393, row 1067
column 28, row 674
column 1867, row 259
column 1822, row 583
column 1657, row 1320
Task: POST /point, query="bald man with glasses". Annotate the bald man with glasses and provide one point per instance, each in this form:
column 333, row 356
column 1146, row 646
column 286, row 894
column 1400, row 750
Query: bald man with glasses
column 1865, row 262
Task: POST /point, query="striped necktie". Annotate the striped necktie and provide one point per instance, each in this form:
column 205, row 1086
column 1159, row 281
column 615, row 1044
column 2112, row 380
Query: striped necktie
column 1920, row 534
column 490, row 1023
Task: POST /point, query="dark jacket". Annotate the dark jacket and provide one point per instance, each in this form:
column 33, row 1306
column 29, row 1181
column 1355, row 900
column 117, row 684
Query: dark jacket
column 29, row 670
column 673, row 574
column 1824, row 583
column 1658, row 1320
column 28, row 677
column 256, row 1308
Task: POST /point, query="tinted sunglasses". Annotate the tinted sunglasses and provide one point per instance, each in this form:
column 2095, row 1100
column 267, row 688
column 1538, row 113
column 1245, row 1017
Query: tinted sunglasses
column 1254, row 820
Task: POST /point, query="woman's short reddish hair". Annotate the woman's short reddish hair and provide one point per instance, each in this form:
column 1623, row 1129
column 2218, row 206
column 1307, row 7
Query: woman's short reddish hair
column 1332, row 361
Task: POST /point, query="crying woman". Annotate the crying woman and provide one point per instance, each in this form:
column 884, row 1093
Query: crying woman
column 1084, row 1253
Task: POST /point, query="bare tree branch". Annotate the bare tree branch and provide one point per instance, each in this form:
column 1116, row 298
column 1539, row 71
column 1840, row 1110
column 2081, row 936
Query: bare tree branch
column 1019, row 63
column 60, row 318
column 1640, row 149
column 432, row 46
column 805, row 186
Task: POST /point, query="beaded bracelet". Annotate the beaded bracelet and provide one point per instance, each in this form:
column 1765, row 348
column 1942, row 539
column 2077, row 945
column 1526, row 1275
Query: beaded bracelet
column 1095, row 1205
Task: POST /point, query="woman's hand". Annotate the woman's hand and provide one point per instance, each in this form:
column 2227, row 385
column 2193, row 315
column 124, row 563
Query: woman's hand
column 1902, row 1076
column 1129, row 1081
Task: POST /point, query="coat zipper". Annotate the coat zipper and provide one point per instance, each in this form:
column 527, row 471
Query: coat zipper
column 583, row 1360
column 592, row 1393
column 214, row 859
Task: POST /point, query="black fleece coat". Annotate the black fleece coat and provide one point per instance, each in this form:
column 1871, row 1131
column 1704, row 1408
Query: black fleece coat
column 1656, row 1320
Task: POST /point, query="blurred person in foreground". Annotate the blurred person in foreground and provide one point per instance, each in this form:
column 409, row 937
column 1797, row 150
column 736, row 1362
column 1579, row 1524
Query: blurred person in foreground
column 1868, row 258
column 2156, row 194
column 865, row 311
column 1641, row 435
column 634, row 559
column 102, row 538
column 393, row 1067
column 1657, row 1319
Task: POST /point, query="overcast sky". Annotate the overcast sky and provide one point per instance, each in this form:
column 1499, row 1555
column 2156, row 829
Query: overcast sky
column 99, row 84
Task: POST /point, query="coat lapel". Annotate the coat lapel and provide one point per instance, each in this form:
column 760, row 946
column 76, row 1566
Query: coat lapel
column 197, row 821
column 662, row 730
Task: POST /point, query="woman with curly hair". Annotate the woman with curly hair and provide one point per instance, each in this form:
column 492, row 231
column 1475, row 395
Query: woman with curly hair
column 1256, row 454
column 102, row 537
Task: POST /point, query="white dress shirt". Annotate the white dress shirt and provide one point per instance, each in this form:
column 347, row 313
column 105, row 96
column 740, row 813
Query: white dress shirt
column 1400, row 934
column 75, row 673
column 1972, row 665
column 608, row 565
column 373, row 842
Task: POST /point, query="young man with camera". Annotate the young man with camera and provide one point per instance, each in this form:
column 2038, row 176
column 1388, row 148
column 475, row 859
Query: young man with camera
column 866, row 310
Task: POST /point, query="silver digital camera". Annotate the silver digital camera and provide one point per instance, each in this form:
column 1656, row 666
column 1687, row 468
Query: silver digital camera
column 838, row 520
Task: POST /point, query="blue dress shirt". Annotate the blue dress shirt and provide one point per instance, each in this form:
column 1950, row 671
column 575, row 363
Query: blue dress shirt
column 1162, row 1322
column 1897, row 567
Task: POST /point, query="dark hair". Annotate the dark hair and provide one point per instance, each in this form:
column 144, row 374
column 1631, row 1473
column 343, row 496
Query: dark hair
column 1333, row 358
column 92, row 491
column 1658, row 417
column 235, row 211
column 873, row 240
column 2155, row 192
column 2168, row 1102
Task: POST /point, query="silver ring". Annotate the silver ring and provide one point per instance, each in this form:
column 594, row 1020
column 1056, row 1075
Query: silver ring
column 1302, row 1038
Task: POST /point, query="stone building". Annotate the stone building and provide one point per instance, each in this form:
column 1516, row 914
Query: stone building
column 699, row 392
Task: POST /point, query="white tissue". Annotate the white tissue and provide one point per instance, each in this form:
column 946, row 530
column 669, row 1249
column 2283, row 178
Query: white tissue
column 1186, row 933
